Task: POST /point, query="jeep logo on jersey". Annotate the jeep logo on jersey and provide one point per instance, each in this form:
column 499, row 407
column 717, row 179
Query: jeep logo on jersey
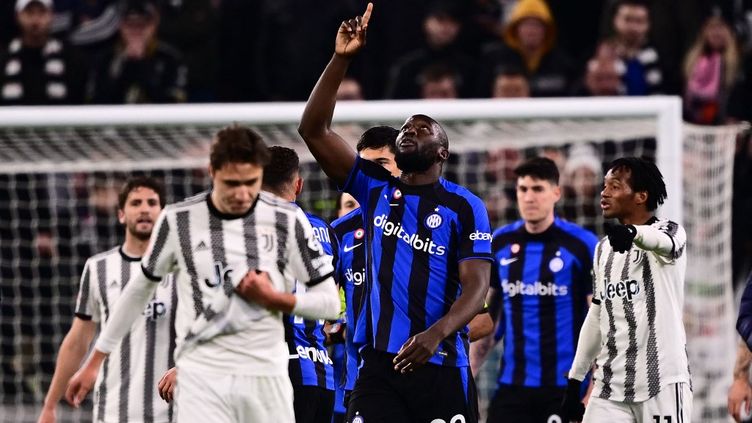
column 154, row 310
column 313, row 354
column 221, row 273
column 391, row 229
column 480, row 236
column 359, row 233
column 356, row 278
column 622, row 289
column 433, row 221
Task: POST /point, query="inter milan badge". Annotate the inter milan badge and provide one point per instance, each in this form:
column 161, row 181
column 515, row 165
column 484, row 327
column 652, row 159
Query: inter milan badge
column 397, row 195
column 433, row 221
column 358, row 419
column 359, row 233
column 556, row 264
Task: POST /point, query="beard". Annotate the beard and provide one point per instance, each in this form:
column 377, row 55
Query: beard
column 140, row 235
column 417, row 161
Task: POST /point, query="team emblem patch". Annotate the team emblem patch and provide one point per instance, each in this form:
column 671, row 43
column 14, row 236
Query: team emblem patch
column 556, row 264
column 359, row 233
column 433, row 221
column 358, row 419
column 515, row 248
column 397, row 195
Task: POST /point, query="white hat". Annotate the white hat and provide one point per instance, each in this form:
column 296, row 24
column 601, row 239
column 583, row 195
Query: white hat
column 21, row 4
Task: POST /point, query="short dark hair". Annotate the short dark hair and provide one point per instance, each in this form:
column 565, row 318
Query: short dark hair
column 510, row 71
column 283, row 164
column 636, row 3
column 644, row 176
column 435, row 72
column 378, row 137
column 238, row 144
column 141, row 182
column 539, row 168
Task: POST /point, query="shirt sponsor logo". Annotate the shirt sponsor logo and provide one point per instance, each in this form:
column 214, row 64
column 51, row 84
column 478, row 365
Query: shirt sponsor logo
column 221, row 273
column 622, row 289
column 537, row 288
column 480, row 236
column 313, row 354
column 356, row 278
column 154, row 310
column 391, row 229
column 322, row 235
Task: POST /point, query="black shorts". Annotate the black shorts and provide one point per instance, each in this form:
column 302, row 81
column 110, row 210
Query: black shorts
column 431, row 393
column 313, row 404
column 521, row 404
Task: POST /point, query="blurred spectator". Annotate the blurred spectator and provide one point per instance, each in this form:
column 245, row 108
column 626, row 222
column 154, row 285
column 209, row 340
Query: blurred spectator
column 642, row 72
column 438, row 81
column 603, row 74
column 349, row 89
column 581, row 184
column 140, row 68
column 511, row 82
column 710, row 69
column 36, row 68
column 192, row 27
column 91, row 25
column 530, row 39
column 441, row 26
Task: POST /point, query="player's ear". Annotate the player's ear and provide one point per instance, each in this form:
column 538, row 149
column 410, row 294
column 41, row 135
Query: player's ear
column 557, row 192
column 298, row 186
column 121, row 216
column 641, row 197
column 210, row 169
column 443, row 153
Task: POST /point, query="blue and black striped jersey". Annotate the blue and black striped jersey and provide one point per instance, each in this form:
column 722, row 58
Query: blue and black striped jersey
column 350, row 271
column 416, row 236
column 544, row 280
column 310, row 364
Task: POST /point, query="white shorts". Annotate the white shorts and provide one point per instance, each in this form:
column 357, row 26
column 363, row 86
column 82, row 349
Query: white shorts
column 673, row 404
column 217, row 398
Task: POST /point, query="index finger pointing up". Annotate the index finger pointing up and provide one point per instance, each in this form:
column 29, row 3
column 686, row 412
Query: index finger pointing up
column 367, row 15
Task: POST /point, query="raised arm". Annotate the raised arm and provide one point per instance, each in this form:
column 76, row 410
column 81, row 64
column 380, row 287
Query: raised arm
column 333, row 153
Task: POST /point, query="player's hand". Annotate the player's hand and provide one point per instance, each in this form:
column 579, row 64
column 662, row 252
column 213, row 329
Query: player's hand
column 81, row 384
column 167, row 384
column 351, row 36
column 572, row 408
column 257, row 286
column 48, row 415
column 740, row 394
column 621, row 237
column 416, row 351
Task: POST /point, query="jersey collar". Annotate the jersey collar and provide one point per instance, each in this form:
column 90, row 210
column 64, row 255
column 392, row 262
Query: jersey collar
column 227, row 216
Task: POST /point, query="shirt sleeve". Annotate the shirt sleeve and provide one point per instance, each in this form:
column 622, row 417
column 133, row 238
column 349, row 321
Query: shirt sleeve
column 86, row 304
column 596, row 272
column 160, row 256
column 475, row 231
column 363, row 176
column 667, row 241
column 308, row 261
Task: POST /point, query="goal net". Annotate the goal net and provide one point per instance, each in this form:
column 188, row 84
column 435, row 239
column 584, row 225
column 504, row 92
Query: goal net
column 62, row 168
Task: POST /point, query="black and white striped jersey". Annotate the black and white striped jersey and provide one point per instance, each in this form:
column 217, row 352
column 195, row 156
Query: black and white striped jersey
column 218, row 331
column 126, row 388
column 641, row 295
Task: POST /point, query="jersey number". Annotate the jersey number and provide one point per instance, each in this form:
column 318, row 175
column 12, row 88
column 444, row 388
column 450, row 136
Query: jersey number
column 657, row 419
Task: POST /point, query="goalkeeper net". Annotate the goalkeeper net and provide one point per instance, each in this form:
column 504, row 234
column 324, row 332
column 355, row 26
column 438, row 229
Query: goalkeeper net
column 62, row 169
